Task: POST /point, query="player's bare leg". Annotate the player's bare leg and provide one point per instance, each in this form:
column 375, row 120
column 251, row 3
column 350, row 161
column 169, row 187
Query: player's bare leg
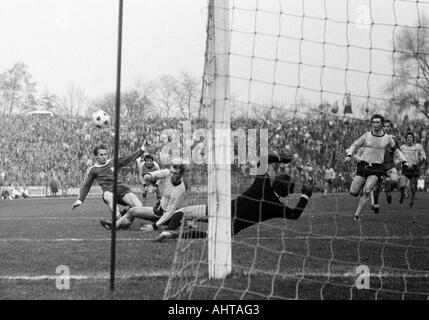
column 375, row 195
column 108, row 198
column 364, row 199
column 403, row 183
column 391, row 183
column 413, row 189
column 141, row 212
column 130, row 199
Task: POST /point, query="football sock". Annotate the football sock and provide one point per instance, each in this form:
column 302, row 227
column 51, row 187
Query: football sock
column 362, row 202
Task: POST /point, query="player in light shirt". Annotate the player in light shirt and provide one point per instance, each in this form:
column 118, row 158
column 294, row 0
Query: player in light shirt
column 370, row 168
column 329, row 180
column 390, row 177
column 147, row 166
column 173, row 191
column 415, row 155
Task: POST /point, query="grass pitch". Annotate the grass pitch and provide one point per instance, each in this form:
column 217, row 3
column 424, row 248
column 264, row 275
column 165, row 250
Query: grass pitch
column 312, row 258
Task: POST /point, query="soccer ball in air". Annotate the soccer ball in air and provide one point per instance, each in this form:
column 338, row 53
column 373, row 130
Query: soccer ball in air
column 101, row 119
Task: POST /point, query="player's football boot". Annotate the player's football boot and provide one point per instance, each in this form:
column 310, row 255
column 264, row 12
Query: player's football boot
column 356, row 218
column 375, row 208
column 167, row 234
column 106, row 224
column 401, row 199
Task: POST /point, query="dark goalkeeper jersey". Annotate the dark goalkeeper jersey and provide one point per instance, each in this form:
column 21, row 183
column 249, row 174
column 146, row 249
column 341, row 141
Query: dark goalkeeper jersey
column 103, row 174
column 260, row 203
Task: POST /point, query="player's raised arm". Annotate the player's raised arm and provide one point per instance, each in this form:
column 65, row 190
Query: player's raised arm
column 156, row 175
column 123, row 161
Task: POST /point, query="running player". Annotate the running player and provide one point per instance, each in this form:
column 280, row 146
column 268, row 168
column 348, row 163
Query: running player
column 370, row 168
column 414, row 154
column 391, row 177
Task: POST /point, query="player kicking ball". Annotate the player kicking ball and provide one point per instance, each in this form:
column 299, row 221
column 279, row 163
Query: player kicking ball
column 370, row 167
column 102, row 172
column 415, row 155
column 260, row 202
column 162, row 213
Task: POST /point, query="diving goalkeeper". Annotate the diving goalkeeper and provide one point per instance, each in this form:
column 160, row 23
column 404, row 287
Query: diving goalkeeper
column 260, row 202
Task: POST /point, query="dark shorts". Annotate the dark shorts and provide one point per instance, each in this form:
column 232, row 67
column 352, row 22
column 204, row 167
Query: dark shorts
column 364, row 170
column 120, row 200
column 410, row 173
column 329, row 181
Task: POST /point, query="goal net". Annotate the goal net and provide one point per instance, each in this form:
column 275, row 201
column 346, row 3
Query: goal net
column 304, row 77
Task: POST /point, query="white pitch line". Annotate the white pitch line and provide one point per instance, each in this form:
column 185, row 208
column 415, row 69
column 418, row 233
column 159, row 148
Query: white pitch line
column 49, row 218
column 89, row 276
column 167, row 273
column 237, row 239
column 74, row 240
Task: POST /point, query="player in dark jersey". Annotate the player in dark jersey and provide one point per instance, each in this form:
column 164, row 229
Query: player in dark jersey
column 390, row 178
column 260, row 202
column 102, row 172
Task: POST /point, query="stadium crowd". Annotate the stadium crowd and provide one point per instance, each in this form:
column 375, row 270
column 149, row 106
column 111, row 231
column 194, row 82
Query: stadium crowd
column 56, row 151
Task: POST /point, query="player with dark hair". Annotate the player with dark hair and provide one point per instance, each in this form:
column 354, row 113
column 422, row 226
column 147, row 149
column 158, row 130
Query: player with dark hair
column 149, row 165
column 162, row 213
column 415, row 154
column 390, row 178
column 102, row 172
column 373, row 145
column 260, row 202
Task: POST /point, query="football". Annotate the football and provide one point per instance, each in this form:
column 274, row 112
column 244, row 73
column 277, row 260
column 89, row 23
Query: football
column 101, row 119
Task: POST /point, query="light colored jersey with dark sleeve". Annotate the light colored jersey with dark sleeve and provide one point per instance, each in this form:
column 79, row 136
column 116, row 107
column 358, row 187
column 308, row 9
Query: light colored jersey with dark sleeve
column 103, row 174
column 389, row 156
column 374, row 148
column 414, row 154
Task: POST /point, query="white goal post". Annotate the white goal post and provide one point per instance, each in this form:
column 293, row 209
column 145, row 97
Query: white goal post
column 219, row 146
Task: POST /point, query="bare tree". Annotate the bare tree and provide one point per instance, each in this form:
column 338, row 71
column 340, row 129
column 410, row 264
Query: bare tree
column 145, row 97
column 167, row 93
column 187, row 93
column 48, row 101
column 72, row 103
column 17, row 89
column 409, row 87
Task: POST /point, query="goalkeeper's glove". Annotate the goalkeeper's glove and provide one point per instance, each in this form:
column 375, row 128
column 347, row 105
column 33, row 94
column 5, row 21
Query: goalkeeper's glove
column 306, row 190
